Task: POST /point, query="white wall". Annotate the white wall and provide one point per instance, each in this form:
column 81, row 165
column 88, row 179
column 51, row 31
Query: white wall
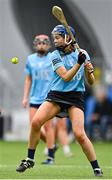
column 11, row 44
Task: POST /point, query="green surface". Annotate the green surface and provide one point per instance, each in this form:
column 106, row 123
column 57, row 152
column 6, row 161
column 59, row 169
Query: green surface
column 76, row 167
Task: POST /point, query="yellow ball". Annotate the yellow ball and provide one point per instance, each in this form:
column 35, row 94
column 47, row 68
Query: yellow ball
column 14, row 60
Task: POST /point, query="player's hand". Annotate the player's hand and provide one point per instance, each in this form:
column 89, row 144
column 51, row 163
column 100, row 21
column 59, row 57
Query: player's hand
column 24, row 102
column 81, row 58
column 89, row 67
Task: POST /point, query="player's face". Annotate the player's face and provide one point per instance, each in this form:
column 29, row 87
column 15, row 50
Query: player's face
column 42, row 45
column 58, row 40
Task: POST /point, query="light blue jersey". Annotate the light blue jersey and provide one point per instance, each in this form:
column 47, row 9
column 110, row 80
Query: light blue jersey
column 40, row 70
column 69, row 60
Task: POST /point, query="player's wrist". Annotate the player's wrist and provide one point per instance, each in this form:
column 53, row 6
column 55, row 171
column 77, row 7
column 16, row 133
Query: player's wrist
column 79, row 63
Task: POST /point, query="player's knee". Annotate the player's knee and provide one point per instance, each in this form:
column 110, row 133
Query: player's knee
column 36, row 124
column 80, row 136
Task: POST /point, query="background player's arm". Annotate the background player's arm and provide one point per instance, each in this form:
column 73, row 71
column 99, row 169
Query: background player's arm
column 67, row 75
column 27, row 87
column 89, row 73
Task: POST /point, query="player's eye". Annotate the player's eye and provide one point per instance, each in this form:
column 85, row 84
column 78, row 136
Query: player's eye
column 40, row 43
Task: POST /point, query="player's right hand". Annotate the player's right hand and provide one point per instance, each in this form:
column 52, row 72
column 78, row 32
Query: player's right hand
column 81, row 58
column 89, row 67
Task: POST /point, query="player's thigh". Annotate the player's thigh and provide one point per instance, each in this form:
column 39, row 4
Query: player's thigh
column 77, row 118
column 32, row 112
column 46, row 112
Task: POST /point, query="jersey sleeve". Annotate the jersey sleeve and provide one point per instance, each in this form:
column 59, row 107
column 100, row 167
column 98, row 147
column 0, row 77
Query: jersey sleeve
column 27, row 67
column 56, row 61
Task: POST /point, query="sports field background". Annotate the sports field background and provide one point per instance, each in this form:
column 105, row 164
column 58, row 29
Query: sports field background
column 76, row 167
column 24, row 20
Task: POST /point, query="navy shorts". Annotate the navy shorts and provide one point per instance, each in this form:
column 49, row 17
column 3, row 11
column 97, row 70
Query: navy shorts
column 35, row 105
column 65, row 100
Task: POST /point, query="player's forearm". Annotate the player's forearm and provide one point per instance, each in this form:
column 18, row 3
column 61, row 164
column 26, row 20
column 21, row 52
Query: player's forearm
column 71, row 73
column 27, row 87
column 90, row 78
column 89, row 73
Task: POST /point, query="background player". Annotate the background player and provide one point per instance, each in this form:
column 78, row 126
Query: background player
column 61, row 134
column 38, row 79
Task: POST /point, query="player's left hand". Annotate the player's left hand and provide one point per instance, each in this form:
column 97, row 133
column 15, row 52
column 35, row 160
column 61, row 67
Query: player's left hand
column 81, row 58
